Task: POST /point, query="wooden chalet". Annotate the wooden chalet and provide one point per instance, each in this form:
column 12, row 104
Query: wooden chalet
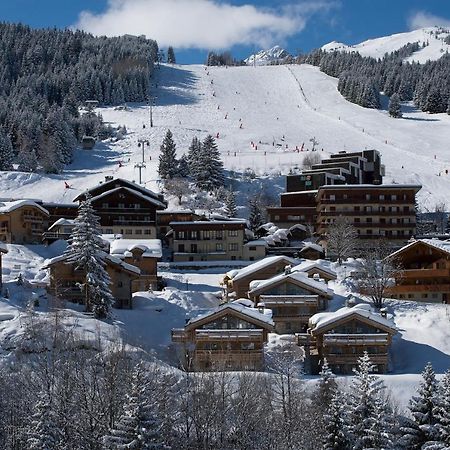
column 232, row 337
column 236, row 282
column 163, row 219
column 22, row 222
column 343, row 336
column 65, row 280
column 61, row 229
column 142, row 253
column 316, row 269
column 293, row 298
column 125, row 208
column 425, row 271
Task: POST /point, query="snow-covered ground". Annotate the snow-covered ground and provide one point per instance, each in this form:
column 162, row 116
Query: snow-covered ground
column 423, row 329
column 279, row 107
column 433, row 38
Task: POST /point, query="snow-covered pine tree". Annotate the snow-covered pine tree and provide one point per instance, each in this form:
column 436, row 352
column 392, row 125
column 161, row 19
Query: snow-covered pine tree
column 193, row 157
column 335, row 437
column 43, row 433
column 230, row 204
column 441, row 411
column 86, row 252
column 255, row 217
column 326, row 389
column 419, row 430
column 395, row 109
column 138, row 428
column 448, row 105
column 27, row 161
column 168, row 158
column 433, row 101
column 210, row 166
column 183, row 166
column 6, row 151
column 365, row 392
column 171, row 56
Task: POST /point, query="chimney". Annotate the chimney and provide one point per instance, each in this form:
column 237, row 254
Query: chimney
column 350, row 302
column 383, row 312
column 287, row 269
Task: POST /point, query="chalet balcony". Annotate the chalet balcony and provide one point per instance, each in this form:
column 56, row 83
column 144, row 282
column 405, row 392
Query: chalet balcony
column 134, row 222
column 54, row 235
column 3, row 230
column 30, row 218
column 336, row 358
column 362, row 201
column 355, row 339
column 229, row 356
column 425, row 273
column 142, row 211
column 229, row 335
column 376, row 225
column 279, row 300
column 411, row 288
column 179, row 335
column 367, row 213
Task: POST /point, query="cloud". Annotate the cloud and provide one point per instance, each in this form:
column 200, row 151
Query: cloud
column 423, row 19
column 205, row 24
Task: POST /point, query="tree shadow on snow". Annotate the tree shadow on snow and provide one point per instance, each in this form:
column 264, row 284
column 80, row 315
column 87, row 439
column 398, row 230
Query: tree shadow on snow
column 412, row 357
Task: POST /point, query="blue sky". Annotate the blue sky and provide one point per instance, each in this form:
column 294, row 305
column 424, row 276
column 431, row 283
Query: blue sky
column 239, row 25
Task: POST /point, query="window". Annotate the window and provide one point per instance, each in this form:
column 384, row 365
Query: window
column 381, row 197
column 252, row 248
column 219, row 247
column 393, row 197
column 369, row 219
column 138, row 232
column 232, row 233
column 147, row 231
column 193, row 235
column 345, row 196
column 276, row 217
column 109, row 231
column 233, row 247
column 367, row 196
column 137, row 205
column 181, row 235
column 332, row 197
column 206, row 234
column 219, row 235
column 121, row 205
column 119, row 284
column 181, row 248
column 105, row 205
column 128, row 231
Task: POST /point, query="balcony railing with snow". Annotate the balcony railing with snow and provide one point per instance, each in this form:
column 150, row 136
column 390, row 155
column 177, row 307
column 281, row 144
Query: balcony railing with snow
column 229, row 335
column 356, row 339
column 269, row 300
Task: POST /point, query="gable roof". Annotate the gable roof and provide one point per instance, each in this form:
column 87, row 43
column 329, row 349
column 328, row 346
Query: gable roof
column 299, row 278
column 326, row 320
column 6, row 207
column 147, row 198
column 251, row 314
column 307, row 265
column 109, row 259
column 260, row 265
column 123, row 248
column 63, row 222
column 443, row 246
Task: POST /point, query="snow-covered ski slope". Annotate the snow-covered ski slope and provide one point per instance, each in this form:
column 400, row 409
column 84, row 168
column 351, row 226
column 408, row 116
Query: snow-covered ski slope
column 278, row 108
column 433, row 37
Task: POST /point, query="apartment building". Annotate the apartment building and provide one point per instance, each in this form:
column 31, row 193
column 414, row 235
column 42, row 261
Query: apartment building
column 125, row 208
column 376, row 211
column 215, row 240
column 425, row 271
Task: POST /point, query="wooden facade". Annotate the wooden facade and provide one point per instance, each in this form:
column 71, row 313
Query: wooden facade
column 425, row 271
column 65, row 279
column 237, row 282
column 126, row 208
column 3, row 250
column 293, row 299
column 22, row 222
column 343, row 336
column 229, row 338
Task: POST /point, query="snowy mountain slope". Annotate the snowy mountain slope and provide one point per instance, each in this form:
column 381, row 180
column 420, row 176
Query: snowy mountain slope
column 376, row 48
column 266, row 57
column 280, row 108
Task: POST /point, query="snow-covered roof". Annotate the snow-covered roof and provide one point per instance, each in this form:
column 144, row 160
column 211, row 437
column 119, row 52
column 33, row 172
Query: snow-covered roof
column 7, row 207
column 297, row 226
column 259, row 265
column 147, row 198
column 62, row 222
column 312, row 246
column 237, row 307
column 122, row 248
column 209, row 222
column 299, row 277
column 307, row 265
column 436, row 243
column 111, row 258
column 256, row 243
column 370, row 186
column 324, row 319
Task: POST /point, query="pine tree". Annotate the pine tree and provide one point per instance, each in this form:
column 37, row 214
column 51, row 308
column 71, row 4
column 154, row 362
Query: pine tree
column 193, row 157
column 420, row 429
column 326, row 388
column 230, row 204
column 27, row 161
column 43, row 434
column 168, row 158
column 395, row 109
column 255, row 217
column 441, row 410
column 6, row 151
column 448, row 105
column 335, row 438
column 209, row 174
column 183, row 167
column 86, row 253
column 362, row 409
column 138, row 427
column 171, row 56
column 433, row 101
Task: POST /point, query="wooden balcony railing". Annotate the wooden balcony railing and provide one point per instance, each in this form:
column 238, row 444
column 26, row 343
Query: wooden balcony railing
column 276, row 300
column 229, row 335
column 410, row 288
column 219, row 356
column 30, row 218
column 335, row 358
column 355, row 339
column 425, row 273
column 179, row 335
